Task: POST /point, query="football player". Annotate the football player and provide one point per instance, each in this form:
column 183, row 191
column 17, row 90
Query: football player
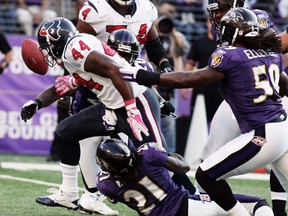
column 224, row 117
column 96, row 66
column 139, row 178
column 100, row 18
column 240, row 65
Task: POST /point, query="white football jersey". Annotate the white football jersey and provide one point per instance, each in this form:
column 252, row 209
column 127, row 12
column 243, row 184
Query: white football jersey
column 104, row 19
column 74, row 57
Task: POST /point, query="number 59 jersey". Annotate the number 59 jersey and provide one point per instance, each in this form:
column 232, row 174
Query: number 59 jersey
column 250, row 84
column 104, row 19
column 74, row 57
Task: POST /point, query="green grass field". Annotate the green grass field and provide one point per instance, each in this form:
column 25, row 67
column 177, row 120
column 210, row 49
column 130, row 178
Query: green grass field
column 18, row 196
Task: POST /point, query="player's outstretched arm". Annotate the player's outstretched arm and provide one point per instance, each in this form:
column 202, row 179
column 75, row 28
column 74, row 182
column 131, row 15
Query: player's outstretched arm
column 177, row 79
column 44, row 99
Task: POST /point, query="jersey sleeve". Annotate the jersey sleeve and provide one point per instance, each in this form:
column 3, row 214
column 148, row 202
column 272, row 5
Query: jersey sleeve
column 220, row 59
column 89, row 14
column 150, row 153
column 5, row 46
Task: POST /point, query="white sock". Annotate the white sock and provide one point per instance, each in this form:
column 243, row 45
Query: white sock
column 69, row 184
column 238, row 210
column 279, row 195
column 264, row 211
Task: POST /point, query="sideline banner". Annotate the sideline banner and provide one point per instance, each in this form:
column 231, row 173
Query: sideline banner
column 17, row 85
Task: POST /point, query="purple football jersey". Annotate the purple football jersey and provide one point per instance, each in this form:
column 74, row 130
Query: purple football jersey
column 249, row 87
column 153, row 193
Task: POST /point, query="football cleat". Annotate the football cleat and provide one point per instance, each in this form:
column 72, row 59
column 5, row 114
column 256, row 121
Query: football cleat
column 93, row 203
column 58, row 199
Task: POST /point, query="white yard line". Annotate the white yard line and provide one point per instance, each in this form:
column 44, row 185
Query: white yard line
column 56, row 167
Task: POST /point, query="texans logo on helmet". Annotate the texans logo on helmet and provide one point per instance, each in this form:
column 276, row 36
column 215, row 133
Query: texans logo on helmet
column 51, row 32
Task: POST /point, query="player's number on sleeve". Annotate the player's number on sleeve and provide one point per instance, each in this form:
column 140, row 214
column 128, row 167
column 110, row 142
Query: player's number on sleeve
column 274, row 74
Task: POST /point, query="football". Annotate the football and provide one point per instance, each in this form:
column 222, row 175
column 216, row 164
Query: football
column 33, row 57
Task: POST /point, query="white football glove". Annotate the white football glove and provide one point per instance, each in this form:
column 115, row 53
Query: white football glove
column 129, row 73
column 109, row 119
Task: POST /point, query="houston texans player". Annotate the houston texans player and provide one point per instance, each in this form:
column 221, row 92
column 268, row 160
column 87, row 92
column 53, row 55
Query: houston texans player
column 96, row 66
column 100, row 18
column 240, row 65
column 139, row 178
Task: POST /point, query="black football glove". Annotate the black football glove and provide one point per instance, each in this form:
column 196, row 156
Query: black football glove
column 28, row 110
column 166, row 109
column 165, row 67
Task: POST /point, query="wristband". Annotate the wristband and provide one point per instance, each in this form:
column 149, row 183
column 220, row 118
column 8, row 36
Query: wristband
column 130, row 104
column 146, row 78
column 39, row 103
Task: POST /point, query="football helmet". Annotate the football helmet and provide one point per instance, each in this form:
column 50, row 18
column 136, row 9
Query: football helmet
column 52, row 37
column 125, row 43
column 124, row 3
column 238, row 24
column 217, row 8
column 114, row 156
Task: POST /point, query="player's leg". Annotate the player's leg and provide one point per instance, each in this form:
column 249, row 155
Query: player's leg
column 240, row 156
column 92, row 200
column 223, row 161
column 148, row 105
column 202, row 205
column 86, row 123
column 278, row 196
column 223, row 128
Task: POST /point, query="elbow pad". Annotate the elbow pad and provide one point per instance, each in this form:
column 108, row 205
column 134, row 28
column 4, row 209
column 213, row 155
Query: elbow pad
column 155, row 51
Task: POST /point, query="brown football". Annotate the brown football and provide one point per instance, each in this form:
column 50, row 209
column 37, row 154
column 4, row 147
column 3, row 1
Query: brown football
column 33, row 57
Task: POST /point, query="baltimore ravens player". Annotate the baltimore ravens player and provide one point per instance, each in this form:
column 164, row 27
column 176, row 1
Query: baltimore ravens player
column 224, row 115
column 96, row 66
column 139, row 178
column 250, row 92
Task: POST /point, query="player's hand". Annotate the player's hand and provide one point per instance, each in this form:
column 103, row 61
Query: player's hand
column 64, row 84
column 129, row 73
column 135, row 120
column 165, row 67
column 28, row 110
column 166, row 108
column 109, row 119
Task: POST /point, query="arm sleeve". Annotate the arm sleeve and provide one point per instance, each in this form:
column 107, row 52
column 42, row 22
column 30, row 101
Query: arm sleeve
column 4, row 45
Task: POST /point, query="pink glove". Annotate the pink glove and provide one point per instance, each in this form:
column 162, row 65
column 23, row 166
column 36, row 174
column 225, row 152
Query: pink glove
column 64, row 84
column 135, row 120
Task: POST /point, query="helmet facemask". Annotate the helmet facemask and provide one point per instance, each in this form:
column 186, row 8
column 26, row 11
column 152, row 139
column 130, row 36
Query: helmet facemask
column 125, row 43
column 217, row 8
